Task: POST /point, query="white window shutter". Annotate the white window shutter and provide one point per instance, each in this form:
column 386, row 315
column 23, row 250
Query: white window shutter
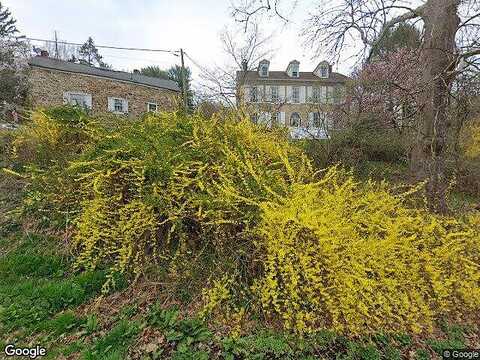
column 302, row 94
column 282, row 118
column 323, row 94
column 281, row 93
column 125, row 105
column 111, row 104
column 245, row 93
column 66, row 97
column 330, row 94
column 88, row 101
column 268, row 118
column 309, row 93
column 289, row 94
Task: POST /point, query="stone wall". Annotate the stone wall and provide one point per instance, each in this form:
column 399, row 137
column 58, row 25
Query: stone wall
column 48, row 86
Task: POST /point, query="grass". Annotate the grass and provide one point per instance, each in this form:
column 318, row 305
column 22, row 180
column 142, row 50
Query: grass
column 40, row 296
column 41, row 299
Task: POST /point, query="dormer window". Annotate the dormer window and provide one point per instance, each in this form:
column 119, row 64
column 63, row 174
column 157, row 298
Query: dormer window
column 295, row 72
column 324, row 71
column 263, row 68
column 293, row 69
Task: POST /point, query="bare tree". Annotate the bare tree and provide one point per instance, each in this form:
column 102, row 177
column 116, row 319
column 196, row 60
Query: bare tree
column 243, row 50
column 450, row 45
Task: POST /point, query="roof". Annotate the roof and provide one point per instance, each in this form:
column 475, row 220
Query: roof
column 283, row 76
column 60, row 65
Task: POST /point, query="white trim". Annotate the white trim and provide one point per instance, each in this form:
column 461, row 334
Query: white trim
column 87, row 98
column 111, row 105
column 152, row 103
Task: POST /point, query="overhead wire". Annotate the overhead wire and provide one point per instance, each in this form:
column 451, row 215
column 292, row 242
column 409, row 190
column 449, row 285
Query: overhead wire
column 175, row 52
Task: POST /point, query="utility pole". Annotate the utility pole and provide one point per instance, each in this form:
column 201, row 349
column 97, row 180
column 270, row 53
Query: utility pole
column 184, row 84
column 56, row 45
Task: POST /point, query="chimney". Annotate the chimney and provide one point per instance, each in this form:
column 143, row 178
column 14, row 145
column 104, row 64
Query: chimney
column 43, row 53
column 244, row 65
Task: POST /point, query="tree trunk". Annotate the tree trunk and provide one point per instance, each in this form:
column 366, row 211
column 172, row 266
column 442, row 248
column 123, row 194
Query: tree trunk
column 428, row 160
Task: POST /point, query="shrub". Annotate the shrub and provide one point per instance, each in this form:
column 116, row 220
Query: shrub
column 52, row 137
column 357, row 144
column 352, row 257
column 151, row 188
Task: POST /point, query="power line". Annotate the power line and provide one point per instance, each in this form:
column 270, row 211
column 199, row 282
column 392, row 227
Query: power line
column 174, row 52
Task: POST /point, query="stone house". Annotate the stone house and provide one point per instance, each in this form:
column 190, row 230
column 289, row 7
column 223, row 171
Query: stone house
column 299, row 100
column 56, row 82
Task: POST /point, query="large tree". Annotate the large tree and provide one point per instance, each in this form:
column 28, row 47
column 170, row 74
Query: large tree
column 88, row 54
column 243, row 51
column 7, row 23
column 13, row 66
column 173, row 73
column 449, row 46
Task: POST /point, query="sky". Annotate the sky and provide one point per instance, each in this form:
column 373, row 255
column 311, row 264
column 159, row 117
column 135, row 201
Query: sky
column 193, row 25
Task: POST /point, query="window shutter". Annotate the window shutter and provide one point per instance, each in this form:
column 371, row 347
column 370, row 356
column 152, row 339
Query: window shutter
column 66, row 97
column 302, row 94
column 111, row 104
column 289, row 94
column 88, row 101
column 330, row 94
column 125, row 106
column 323, row 94
column 282, row 118
column 281, row 93
column 245, row 93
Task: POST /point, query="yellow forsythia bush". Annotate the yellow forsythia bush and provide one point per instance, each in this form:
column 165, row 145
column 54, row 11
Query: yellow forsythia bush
column 351, row 257
column 171, row 181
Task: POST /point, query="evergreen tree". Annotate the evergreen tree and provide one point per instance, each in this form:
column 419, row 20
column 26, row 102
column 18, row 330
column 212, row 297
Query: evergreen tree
column 13, row 66
column 404, row 35
column 155, row 71
column 174, row 73
column 7, row 23
column 89, row 54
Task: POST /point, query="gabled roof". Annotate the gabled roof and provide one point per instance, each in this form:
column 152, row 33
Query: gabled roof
column 60, row 65
column 283, row 76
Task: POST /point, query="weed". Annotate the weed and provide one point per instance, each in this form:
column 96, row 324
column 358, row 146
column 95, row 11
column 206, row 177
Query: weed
column 115, row 344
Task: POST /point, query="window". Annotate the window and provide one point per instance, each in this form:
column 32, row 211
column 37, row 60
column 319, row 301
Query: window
column 321, row 120
column 117, row 105
column 253, row 94
column 324, row 71
column 274, row 93
column 318, row 120
column 295, row 94
column 152, row 107
column 78, row 99
column 316, row 94
column 295, row 119
column 295, row 72
column 276, row 118
column 264, row 70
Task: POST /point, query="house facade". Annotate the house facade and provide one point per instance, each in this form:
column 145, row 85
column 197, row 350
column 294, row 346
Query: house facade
column 301, row 101
column 55, row 82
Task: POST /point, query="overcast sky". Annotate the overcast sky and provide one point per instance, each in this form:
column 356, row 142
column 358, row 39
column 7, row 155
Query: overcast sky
column 166, row 24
